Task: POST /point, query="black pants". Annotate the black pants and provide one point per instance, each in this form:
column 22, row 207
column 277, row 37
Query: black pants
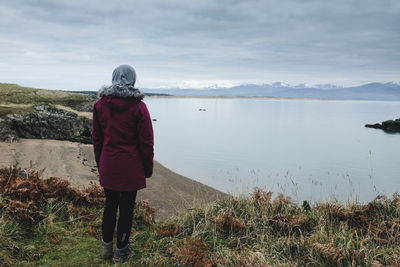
column 125, row 200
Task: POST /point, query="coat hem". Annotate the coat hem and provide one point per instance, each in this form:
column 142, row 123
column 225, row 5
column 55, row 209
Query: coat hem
column 125, row 189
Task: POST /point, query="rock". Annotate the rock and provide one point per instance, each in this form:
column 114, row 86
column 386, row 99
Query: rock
column 375, row 126
column 47, row 122
column 85, row 106
column 6, row 134
column 79, row 105
column 390, row 126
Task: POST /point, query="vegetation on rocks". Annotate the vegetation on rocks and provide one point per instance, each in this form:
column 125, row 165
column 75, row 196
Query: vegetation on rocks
column 47, row 222
column 43, row 114
column 14, row 109
column 15, row 94
column 46, row 122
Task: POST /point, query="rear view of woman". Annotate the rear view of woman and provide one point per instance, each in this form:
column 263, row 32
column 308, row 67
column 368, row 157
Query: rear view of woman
column 123, row 142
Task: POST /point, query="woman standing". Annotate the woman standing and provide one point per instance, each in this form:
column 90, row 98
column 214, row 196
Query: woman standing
column 123, row 143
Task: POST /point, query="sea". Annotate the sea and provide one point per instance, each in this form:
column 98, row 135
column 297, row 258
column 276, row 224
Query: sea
column 315, row 150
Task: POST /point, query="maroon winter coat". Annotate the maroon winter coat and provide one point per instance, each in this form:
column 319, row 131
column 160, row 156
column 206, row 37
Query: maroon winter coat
column 123, row 143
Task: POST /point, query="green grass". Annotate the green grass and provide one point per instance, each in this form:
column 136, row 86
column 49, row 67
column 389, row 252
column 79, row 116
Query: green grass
column 14, row 109
column 15, row 94
column 244, row 231
column 46, row 222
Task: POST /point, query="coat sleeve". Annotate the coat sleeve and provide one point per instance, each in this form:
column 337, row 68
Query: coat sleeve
column 146, row 140
column 97, row 137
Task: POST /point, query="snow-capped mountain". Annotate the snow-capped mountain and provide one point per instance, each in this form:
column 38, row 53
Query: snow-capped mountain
column 371, row 91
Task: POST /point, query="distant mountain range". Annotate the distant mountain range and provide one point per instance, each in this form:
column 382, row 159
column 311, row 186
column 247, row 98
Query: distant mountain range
column 95, row 93
column 370, row 91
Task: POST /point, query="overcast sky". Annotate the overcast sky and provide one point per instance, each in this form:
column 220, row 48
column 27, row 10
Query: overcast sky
column 75, row 45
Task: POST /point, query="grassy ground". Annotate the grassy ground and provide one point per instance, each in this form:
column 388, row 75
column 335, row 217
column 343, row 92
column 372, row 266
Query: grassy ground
column 13, row 93
column 14, row 109
column 49, row 223
column 22, row 96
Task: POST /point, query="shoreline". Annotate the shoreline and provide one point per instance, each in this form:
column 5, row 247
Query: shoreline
column 267, row 98
column 167, row 191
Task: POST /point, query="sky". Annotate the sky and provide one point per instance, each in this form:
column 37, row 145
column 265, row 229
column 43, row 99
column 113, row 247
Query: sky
column 75, row 45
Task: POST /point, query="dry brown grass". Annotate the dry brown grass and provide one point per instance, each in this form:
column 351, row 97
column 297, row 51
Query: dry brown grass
column 281, row 201
column 396, row 199
column 145, row 212
column 24, row 192
column 378, row 264
column 331, row 254
column 168, row 230
column 261, row 197
column 193, row 253
column 290, row 224
column 94, row 230
column 228, row 223
column 243, row 231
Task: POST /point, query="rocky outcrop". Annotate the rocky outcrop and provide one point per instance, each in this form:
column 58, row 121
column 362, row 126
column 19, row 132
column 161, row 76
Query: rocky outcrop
column 83, row 106
column 7, row 134
column 390, row 126
column 46, row 122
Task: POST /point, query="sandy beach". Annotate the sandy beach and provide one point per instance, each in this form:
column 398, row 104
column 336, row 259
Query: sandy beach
column 167, row 192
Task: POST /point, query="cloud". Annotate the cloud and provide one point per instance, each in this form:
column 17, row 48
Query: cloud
column 76, row 44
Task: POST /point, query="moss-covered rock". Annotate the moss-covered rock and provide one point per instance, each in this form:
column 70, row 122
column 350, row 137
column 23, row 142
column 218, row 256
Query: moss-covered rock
column 46, row 122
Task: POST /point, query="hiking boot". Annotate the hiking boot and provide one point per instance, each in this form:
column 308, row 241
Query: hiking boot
column 123, row 254
column 106, row 250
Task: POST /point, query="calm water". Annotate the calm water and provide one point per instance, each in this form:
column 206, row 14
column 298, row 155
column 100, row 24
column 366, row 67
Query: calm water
column 307, row 149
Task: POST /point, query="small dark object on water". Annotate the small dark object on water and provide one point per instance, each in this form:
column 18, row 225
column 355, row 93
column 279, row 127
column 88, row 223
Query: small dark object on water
column 154, row 119
column 390, row 126
column 202, row 109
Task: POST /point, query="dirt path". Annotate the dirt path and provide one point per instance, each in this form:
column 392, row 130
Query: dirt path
column 167, row 191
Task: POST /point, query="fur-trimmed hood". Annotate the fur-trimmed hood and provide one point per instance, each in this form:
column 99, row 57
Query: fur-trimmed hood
column 121, row 91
